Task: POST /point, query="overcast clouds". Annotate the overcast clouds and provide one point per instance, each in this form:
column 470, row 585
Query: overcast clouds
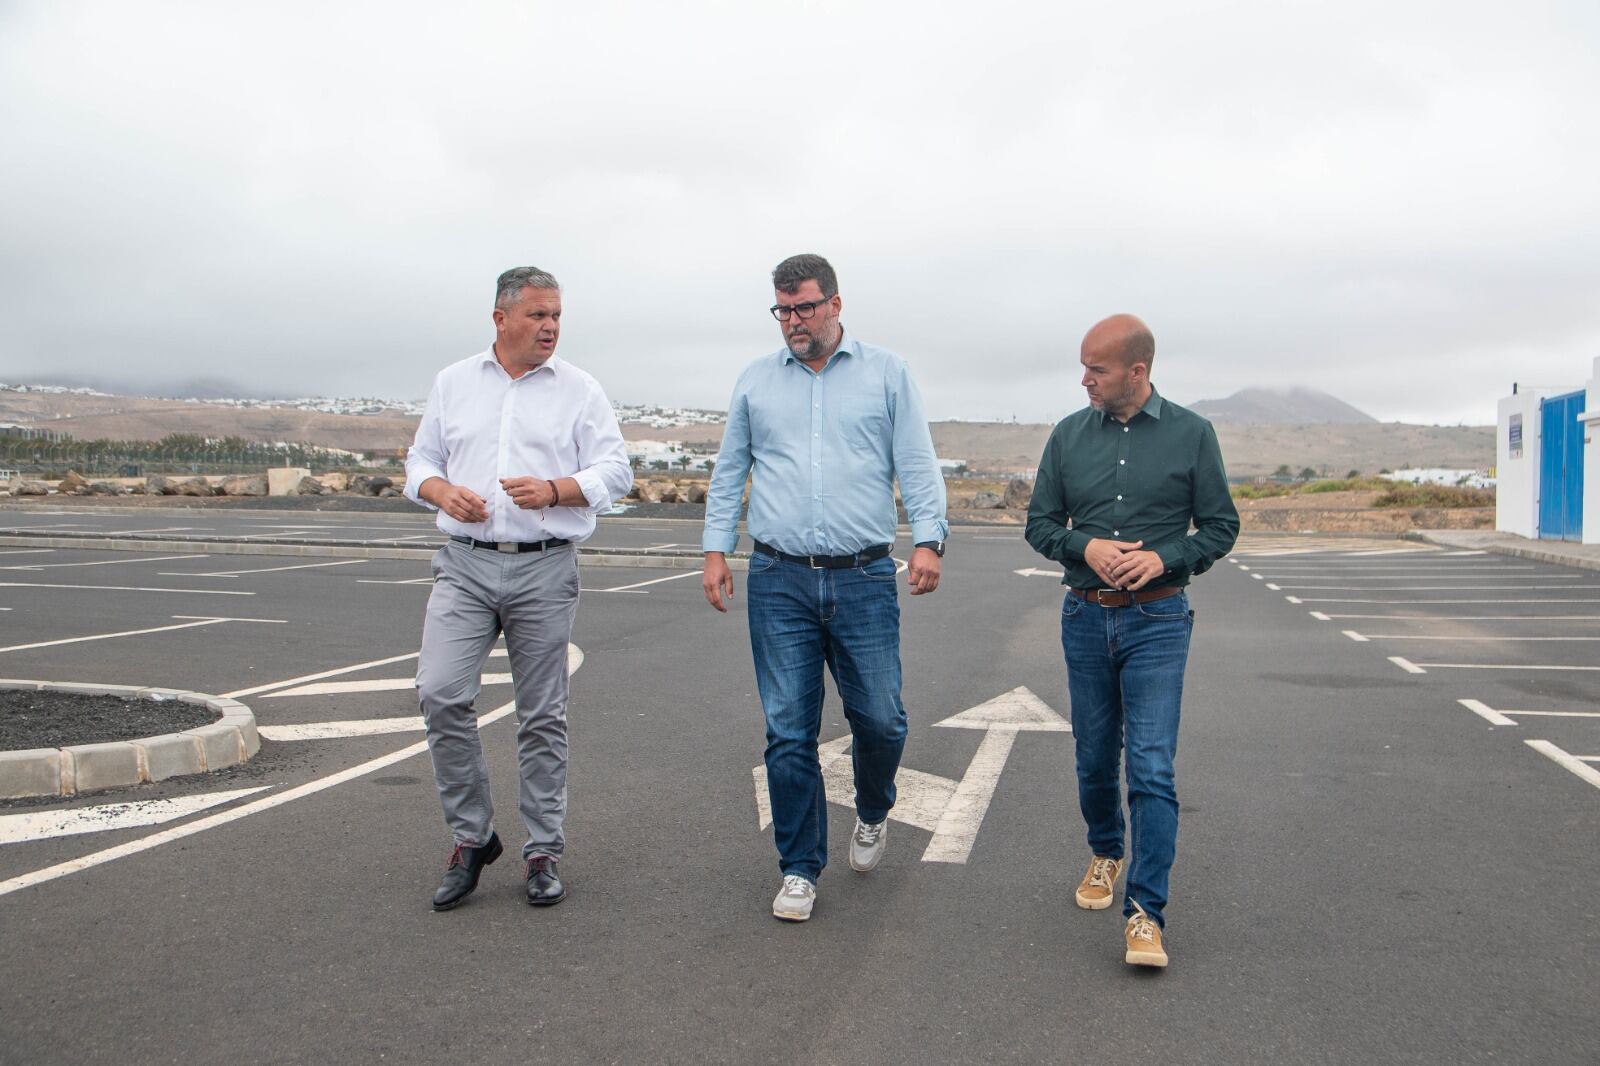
column 1393, row 202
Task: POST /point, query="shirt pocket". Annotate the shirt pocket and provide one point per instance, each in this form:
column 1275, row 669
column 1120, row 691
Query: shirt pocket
column 864, row 425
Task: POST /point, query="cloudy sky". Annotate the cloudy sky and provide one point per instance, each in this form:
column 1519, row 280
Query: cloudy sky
column 1395, row 202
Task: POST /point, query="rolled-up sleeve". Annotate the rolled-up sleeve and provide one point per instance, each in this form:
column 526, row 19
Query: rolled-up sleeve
column 916, row 466
column 726, row 492
column 426, row 458
column 604, row 474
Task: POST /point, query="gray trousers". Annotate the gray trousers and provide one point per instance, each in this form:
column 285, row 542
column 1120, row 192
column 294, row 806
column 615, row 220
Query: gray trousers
column 477, row 595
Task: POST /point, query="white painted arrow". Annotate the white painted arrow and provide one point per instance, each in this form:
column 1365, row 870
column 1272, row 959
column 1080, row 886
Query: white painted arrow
column 1034, row 571
column 16, row 828
column 952, row 810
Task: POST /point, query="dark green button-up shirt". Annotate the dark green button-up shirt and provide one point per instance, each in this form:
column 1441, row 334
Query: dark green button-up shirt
column 1144, row 480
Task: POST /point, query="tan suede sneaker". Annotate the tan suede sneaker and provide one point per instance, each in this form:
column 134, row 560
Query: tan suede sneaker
column 1098, row 885
column 1144, row 941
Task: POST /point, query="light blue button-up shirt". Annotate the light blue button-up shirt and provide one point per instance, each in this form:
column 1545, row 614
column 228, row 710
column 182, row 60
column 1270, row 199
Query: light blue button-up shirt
column 824, row 449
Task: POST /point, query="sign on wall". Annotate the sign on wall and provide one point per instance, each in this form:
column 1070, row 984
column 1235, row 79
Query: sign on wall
column 1516, row 436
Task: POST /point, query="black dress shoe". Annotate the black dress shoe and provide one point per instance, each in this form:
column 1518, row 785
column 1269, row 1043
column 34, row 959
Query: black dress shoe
column 461, row 876
column 544, row 887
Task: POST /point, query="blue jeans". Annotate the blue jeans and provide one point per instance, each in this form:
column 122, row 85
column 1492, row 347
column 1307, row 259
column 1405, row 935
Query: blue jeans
column 1125, row 678
column 849, row 620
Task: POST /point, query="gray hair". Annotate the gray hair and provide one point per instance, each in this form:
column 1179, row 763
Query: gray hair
column 796, row 270
column 513, row 281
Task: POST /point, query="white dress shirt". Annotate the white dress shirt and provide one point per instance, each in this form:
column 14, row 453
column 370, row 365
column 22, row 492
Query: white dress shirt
column 481, row 425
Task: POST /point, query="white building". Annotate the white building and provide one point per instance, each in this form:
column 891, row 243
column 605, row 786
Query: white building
column 1547, row 463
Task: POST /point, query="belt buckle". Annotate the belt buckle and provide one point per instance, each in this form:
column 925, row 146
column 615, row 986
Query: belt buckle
column 1099, row 597
column 811, row 561
column 507, row 546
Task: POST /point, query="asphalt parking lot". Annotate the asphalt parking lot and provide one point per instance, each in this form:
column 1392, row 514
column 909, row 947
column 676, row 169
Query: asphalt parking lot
column 1375, row 862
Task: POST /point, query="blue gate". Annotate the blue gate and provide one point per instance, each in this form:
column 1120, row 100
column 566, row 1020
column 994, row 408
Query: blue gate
column 1561, row 468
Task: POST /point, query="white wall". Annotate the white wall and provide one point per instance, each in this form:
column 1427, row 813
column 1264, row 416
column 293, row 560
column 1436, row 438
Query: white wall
column 1516, row 506
column 1591, row 460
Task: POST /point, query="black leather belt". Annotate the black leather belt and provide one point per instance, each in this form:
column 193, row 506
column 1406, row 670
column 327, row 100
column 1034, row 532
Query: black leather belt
column 829, row 562
column 1124, row 598
column 512, row 547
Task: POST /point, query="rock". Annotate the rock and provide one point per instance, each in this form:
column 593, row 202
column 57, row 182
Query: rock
column 640, row 492
column 102, row 488
column 73, row 482
column 195, row 486
column 335, row 482
column 960, row 503
column 369, row 486
column 668, row 495
column 389, row 492
column 29, row 488
column 1018, row 493
column 136, row 489
column 309, row 486
column 281, row 480
column 697, row 494
column 985, row 501
column 243, row 485
column 157, row 485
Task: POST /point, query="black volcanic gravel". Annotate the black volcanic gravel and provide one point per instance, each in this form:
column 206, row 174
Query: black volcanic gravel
column 47, row 719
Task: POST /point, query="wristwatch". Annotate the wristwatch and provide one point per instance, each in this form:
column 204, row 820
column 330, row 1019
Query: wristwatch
column 936, row 546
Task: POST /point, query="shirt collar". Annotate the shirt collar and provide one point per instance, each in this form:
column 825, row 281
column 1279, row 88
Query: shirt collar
column 1152, row 407
column 488, row 359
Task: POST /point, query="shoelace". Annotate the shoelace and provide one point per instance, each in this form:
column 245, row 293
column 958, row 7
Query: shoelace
column 795, row 885
column 868, row 834
column 1140, row 927
column 1100, row 872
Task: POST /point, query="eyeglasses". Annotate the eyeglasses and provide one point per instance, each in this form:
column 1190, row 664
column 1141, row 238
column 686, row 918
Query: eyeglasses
column 805, row 310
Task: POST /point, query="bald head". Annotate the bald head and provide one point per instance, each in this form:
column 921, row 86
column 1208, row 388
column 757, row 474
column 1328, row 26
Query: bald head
column 1123, row 338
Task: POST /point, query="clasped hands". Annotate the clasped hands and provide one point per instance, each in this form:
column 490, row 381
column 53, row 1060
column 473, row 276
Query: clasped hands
column 1121, row 564
column 464, row 505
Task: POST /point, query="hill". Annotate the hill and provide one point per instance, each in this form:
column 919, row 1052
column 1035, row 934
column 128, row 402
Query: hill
column 987, row 447
column 1295, row 407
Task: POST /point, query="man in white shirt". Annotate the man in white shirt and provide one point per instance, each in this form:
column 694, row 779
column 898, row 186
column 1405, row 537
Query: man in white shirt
column 517, row 451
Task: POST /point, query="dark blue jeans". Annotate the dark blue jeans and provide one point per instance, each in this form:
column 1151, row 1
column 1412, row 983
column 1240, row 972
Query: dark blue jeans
column 1125, row 678
column 849, row 620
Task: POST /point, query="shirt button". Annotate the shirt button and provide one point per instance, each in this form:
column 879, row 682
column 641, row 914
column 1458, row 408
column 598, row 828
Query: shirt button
column 1122, row 462
column 1116, row 532
column 1119, row 497
column 1124, row 429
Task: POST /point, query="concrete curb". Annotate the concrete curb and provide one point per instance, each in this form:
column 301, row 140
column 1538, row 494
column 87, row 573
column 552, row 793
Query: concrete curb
column 85, row 767
column 676, row 560
column 1515, row 551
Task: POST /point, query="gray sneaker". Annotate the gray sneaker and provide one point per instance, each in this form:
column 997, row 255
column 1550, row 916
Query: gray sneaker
column 794, row 900
column 866, row 845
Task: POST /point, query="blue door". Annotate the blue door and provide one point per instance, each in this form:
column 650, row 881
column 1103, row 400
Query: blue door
column 1561, row 468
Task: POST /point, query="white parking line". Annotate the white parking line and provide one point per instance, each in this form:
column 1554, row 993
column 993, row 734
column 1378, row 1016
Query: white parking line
column 390, row 581
column 241, row 693
column 159, row 529
column 1567, row 760
column 1437, row 588
column 108, row 636
column 1443, row 618
column 1486, row 712
column 268, row 569
column 652, row 581
column 102, row 562
column 376, row 684
column 121, row 588
column 19, row 828
column 1546, row 600
column 1353, row 635
column 1407, row 665
column 1424, row 667
column 28, row 551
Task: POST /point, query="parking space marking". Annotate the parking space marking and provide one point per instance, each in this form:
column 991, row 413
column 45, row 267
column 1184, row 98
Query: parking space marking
column 20, row 828
column 268, row 569
column 1353, row 635
column 103, row 562
column 1578, row 765
column 1464, row 617
column 1486, row 712
column 1438, row 588
column 394, row 581
column 1424, row 667
column 376, row 684
column 335, row 672
column 159, row 529
column 652, row 581
column 28, row 551
column 122, row 588
column 1546, row 600
column 1407, row 665
column 108, row 636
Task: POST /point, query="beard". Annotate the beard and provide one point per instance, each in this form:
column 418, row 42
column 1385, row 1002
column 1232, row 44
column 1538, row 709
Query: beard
column 814, row 343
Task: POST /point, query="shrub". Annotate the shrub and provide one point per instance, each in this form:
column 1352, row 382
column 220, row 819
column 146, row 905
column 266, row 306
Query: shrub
column 1434, row 496
column 1259, row 492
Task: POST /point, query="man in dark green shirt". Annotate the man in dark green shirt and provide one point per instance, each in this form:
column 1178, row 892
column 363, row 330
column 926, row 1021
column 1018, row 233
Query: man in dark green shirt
column 1119, row 485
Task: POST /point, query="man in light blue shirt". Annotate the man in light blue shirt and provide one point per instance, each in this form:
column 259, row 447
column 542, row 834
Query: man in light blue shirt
column 822, row 428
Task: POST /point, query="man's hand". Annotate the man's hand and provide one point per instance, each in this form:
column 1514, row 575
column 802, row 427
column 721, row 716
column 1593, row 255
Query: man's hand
column 458, row 502
column 1103, row 556
column 529, row 493
column 1136, row 569
column 717, row 580
column 924, row 570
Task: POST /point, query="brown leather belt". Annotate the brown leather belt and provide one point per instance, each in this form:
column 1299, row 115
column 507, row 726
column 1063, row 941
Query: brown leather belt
column 1124, row 598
